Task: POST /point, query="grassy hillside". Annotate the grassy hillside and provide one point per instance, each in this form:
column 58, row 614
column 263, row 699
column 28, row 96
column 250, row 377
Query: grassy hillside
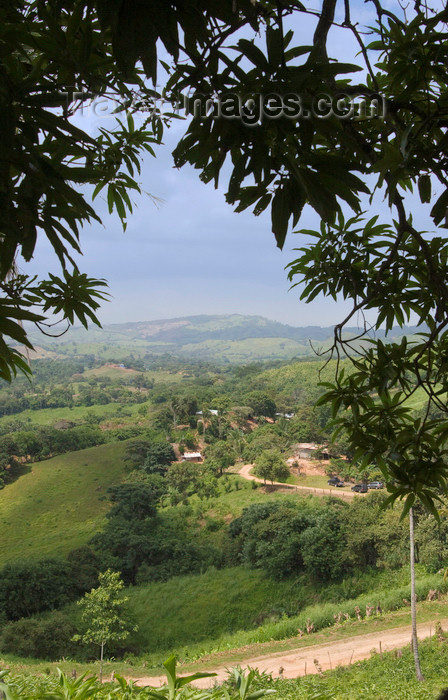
column 228, row 609
column 244, row 351
column 48, row 416
column 59, row 504
column 304, row 375
column 200, row 608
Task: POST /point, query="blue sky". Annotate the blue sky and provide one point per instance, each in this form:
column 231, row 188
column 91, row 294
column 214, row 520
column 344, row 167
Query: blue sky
column 191, row 254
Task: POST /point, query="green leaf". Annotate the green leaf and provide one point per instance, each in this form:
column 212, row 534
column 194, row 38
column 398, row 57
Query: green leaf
column 170, row 668
column 280, row 213
column 424, row 188
column 253, row 53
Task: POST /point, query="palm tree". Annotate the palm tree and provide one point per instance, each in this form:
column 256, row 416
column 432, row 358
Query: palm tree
column 205, row 415
column 237, row 441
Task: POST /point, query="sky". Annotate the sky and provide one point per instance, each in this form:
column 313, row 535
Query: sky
column 189, row 253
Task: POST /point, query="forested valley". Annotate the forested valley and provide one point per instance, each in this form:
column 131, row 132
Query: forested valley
column 257, row 505
column 133, row 466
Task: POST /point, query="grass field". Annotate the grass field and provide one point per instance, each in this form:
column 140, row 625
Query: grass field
column 248, row 350
column 48, row 416
column 419, row 400
column 234, row 502
column 117, row 373
column 200, row 608
column 116, row 351
column 59, row 504
column 112, row 372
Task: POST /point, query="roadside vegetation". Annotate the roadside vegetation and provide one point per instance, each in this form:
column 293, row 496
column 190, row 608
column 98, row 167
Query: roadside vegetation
column 212, row 562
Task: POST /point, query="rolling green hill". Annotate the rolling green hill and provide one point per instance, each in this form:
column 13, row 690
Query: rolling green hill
column 48, row 416
column 232, row 338
column 59, row 504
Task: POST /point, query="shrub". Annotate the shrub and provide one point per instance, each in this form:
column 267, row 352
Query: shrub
column 85, row 568
column 45, row 638
column 269, row 535
column 31, row 587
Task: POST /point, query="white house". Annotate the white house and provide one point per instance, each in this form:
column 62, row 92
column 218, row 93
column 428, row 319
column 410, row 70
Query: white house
column 191, row 457
column 310, row 450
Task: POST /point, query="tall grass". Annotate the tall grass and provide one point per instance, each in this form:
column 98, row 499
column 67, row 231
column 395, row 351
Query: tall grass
column 229, row 609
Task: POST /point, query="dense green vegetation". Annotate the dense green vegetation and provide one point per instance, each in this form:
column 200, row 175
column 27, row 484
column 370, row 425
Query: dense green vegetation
column 218, row 611
column 229, row 609
column 212, row 562
column 239, row 686
column 315, row 547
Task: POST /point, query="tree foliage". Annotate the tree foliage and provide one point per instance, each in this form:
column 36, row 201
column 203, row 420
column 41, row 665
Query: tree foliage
column 337, row 162
column 28, row 587
column 270, row 465
column 222, row 454
column 41, row 638
column 330, row 539
column 329, row 155
column 103, row 614
column 269, row 536
column 136, row 500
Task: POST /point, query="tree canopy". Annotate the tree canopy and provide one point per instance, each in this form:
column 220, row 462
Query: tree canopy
column 293, row 126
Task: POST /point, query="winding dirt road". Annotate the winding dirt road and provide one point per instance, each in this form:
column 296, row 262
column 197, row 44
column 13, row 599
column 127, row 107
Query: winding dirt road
column 316, row 658
column 319, row 657
column 245, row 473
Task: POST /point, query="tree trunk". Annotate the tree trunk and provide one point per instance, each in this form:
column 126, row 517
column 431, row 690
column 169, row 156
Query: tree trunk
column 418, row 670
column 173, row 413
column 101, row 661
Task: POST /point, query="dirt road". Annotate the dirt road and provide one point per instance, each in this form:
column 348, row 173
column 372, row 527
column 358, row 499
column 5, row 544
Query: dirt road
column 301, row 662
column 245, row 473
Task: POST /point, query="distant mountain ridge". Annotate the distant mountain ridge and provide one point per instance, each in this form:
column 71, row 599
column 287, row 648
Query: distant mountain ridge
column 234, row 338
column 230, row 327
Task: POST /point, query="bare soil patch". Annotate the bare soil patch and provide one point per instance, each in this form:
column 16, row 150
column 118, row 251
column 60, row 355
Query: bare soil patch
column 317, row 658
column 310, row 467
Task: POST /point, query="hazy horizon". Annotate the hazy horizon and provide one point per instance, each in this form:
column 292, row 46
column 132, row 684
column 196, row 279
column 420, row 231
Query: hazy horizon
column 186, row 252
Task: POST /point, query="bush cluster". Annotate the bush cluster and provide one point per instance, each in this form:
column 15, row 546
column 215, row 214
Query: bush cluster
column 29, row 587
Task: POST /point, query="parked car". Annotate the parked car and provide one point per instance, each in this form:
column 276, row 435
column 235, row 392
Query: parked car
column 360, row 488
column 375, row 485
column 335, row 481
